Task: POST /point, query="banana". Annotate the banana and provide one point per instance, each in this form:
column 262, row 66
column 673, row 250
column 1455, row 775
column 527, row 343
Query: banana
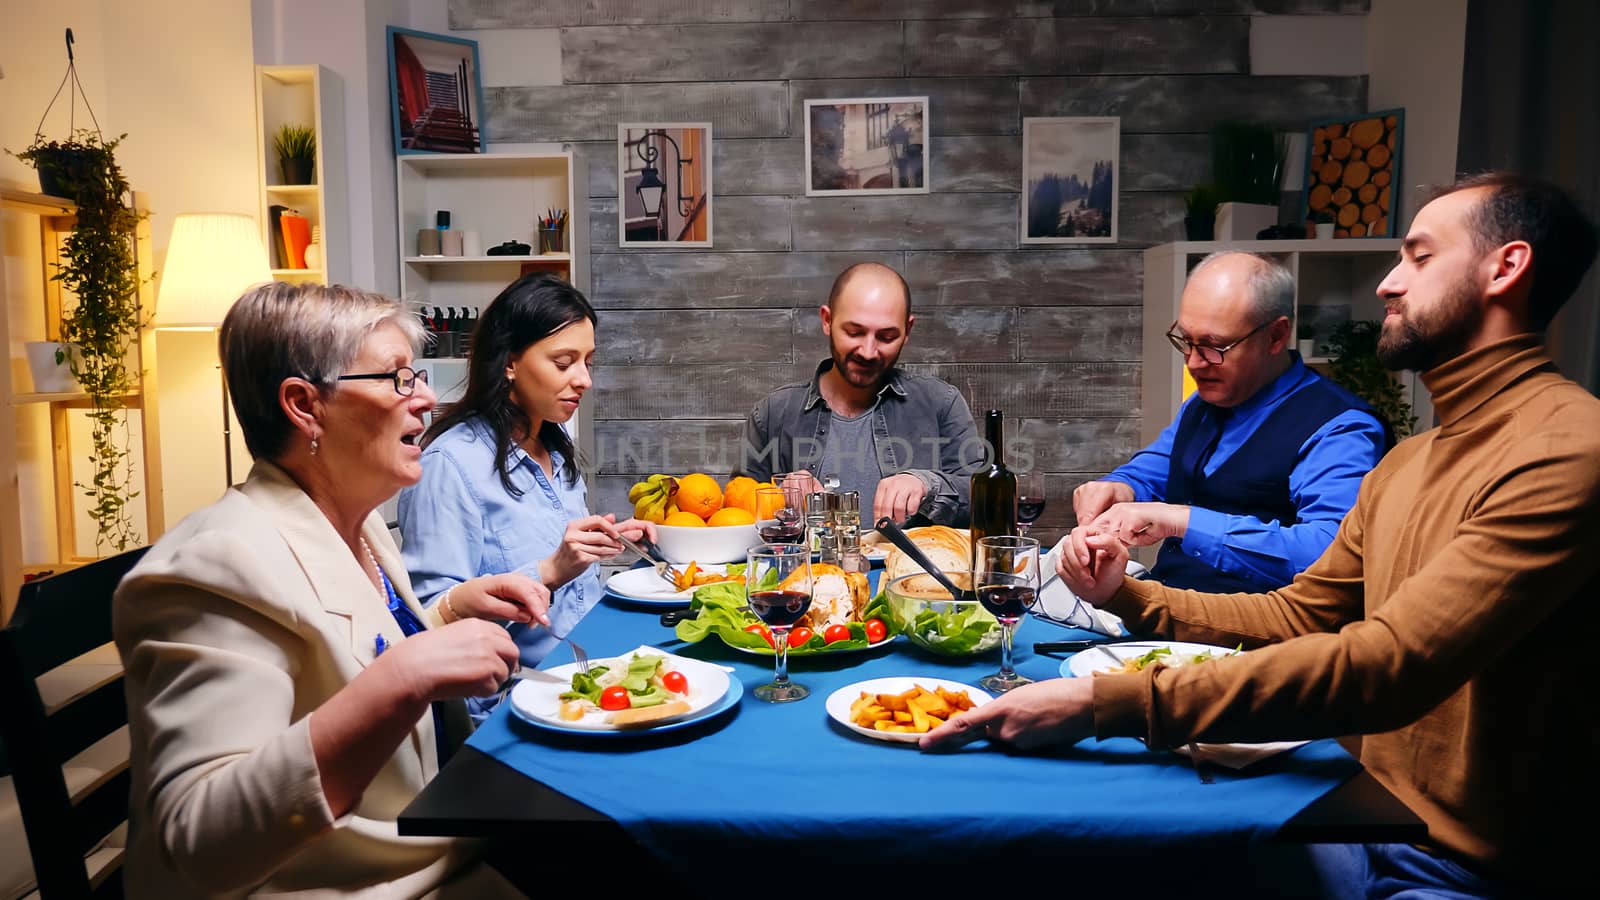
column 651, row 497
column 651, row 508
column 640, row 489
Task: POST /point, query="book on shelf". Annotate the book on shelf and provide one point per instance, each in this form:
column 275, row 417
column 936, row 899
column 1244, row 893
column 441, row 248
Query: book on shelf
column 275, row 243
column 296, row 237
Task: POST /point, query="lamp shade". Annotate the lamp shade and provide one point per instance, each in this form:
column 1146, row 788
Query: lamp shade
column 211, row 259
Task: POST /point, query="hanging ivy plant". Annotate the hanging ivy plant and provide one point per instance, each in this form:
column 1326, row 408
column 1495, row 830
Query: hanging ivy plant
column 100, row 270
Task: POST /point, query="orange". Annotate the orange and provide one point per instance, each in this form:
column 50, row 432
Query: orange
column 699, row 494
column 731, row 515
column 740, row 493
column 768, row 504
column 684, row 520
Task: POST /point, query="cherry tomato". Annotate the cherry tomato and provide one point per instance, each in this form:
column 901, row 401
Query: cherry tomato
column 876, row 630
column 836, row 633
column 675, row 682
column 799, row 636
column 615, row 697
column 758, row 628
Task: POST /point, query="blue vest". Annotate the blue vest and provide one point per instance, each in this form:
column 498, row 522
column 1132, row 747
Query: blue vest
column 1254, row 481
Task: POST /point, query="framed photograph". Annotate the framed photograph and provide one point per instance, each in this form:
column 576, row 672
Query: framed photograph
column 1070, row 180
column 435, row 93
column 1352, row 171
column 868, row 146
column 664, row 184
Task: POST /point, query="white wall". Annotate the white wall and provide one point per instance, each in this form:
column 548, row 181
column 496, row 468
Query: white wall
column 176, row 77
column 1414, row 56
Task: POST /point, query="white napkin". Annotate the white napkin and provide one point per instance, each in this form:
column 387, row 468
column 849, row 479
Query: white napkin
column 1058, row 603
column 1237, row 756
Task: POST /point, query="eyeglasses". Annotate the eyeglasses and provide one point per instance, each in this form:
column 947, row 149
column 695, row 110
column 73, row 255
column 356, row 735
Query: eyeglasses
column 404, row 379
column 1212, row 355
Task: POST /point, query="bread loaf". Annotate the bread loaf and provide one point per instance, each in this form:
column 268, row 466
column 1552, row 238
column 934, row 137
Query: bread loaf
column 948, row 548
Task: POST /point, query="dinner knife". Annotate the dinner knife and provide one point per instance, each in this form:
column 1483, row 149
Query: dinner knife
column 1075, row 646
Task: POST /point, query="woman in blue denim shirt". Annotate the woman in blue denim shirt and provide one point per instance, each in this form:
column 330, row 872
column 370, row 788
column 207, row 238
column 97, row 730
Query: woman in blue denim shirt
column 500, row 488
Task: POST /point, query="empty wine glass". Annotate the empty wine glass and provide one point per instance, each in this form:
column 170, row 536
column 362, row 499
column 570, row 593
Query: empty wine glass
column 778, row 585
column 1030, row 499
column 1008, row 585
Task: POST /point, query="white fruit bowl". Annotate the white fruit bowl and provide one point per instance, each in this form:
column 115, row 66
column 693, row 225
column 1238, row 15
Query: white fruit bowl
column 708, row 545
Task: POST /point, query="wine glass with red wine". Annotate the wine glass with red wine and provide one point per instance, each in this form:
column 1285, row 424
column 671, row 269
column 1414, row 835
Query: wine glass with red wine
column 1030, row 499
column 778, row 586
column 1008, row 585
column 781, row 515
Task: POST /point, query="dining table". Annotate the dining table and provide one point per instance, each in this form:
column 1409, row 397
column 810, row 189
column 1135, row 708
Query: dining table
column 779, row 799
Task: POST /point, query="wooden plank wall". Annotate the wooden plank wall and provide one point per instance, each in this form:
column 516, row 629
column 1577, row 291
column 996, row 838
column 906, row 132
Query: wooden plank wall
column 690, row 340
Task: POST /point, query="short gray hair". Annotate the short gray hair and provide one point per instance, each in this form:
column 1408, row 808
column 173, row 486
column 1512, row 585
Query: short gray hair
column 1271, row 284
column 311, row 331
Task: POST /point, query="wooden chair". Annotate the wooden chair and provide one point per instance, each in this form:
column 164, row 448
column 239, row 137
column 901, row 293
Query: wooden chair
column 59, row 619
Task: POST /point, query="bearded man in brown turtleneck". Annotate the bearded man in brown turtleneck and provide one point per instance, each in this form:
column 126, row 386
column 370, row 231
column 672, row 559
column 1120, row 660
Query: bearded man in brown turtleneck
column 1453, row 619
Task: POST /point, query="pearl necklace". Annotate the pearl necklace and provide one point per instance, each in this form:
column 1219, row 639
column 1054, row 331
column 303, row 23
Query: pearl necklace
column 382, row 594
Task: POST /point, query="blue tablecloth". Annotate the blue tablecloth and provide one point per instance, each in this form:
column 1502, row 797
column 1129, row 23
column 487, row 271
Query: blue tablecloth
column 783, row 781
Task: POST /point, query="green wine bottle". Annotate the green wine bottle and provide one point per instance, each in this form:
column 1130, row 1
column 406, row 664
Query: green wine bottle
column 994, row 489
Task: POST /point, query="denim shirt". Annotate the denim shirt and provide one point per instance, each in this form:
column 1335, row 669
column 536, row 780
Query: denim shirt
column 920, row 425
column 459, row 522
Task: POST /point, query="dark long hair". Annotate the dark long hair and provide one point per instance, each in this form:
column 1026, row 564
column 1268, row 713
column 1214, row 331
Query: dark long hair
column 531, row 309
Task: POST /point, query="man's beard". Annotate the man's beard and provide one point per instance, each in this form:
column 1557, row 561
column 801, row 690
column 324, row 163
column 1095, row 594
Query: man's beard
column 1434, row 337
column 864, row 374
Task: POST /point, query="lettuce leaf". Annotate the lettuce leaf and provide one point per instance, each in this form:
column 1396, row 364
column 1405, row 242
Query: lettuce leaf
column 953, row 631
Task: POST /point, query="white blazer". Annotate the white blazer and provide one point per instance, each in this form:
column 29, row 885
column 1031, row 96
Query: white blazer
column 236, row 625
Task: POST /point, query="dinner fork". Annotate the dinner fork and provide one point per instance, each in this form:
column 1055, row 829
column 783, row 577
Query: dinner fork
column 579, row 656
column 664, row 569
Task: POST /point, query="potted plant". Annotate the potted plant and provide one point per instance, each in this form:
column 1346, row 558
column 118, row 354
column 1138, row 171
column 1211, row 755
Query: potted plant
column 1307, row 336
column 1247, row 166
column 1322, row 219
column 100, row 270
column 1200, row 213
column 297, row 153
column 1353, row 348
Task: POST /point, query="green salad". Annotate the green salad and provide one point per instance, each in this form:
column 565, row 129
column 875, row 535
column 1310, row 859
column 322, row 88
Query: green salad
column 720, row 610
column 954, row 629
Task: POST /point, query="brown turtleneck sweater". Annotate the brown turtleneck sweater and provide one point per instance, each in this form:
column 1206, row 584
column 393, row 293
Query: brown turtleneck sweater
column 1452, row 621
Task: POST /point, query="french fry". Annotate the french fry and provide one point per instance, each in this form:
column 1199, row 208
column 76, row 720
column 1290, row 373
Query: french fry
column 896, row 702
column 860, row 705
column 902, row 718
column 933, row 705
column 958, row 700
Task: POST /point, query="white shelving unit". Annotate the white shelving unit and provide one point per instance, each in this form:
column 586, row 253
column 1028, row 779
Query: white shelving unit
column 304, row 95
column 1335, row 274
column 501, row 197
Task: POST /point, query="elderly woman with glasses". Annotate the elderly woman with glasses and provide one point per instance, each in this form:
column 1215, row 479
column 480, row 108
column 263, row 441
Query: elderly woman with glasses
column 500, row 488
column 288, row 696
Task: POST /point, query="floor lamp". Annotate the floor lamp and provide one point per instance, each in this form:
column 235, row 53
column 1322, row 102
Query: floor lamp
column 212, row 259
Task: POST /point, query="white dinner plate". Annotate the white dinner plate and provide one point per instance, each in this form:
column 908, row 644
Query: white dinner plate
column 1234, row 756
column 838, row 705
column 642, row 585
column 1087, row 662
column 539, row 701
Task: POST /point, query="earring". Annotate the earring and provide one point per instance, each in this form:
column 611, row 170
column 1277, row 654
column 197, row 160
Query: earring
column 314, row 446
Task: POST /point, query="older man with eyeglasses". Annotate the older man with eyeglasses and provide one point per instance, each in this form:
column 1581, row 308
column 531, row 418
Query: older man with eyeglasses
column 1248, row 485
